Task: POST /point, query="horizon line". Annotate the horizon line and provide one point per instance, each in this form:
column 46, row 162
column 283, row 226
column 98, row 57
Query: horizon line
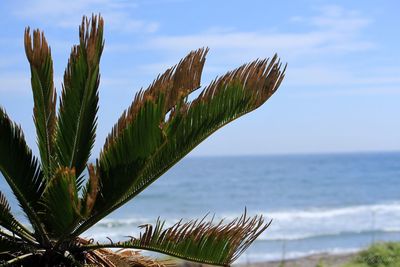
column 311, row 153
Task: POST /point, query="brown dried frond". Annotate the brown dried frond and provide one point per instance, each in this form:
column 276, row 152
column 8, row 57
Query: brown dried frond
column 100, row 258
column 174, row 85
column 121, row 258
column 129, row 257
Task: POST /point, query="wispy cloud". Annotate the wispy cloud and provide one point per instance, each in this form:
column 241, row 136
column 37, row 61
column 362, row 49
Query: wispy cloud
column 319, row 75
column 67, row 13
column 337, row 18
column 358, row 92
column 333, row 29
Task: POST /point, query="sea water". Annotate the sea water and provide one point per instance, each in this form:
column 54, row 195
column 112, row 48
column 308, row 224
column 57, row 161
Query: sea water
column 331, row 203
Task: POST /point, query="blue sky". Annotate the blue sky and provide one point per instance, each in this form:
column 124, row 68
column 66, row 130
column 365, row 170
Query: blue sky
column 341, row 92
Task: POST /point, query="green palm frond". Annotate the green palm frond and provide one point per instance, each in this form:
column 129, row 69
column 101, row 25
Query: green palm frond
column 44, row 95
column 79, row 101
column 200, row 241
column 225, row 100
column 189, row 123
column 62, row 203
column 21, row 171
column 127, row 148
column 8, row 221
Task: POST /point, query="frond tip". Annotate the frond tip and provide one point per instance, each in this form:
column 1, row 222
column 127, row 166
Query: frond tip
column 199, row 241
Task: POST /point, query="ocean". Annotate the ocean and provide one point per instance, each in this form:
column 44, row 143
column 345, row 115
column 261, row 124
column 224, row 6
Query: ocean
column 331, row 203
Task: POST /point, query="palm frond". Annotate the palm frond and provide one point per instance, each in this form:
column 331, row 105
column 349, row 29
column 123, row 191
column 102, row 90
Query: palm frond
column 189, row 123
column 224, row 100
column 79, row 102
column 44, row 95
column 199, row 241
column 8, row 221
column 139, row 133
column 22, row 172
column 62, row 203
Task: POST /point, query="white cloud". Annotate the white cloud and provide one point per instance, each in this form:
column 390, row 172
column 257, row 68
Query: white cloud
column 245, row 44
column 67, row 13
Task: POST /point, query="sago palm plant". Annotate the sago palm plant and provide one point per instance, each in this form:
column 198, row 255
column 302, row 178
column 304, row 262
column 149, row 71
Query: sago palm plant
column 63, row 194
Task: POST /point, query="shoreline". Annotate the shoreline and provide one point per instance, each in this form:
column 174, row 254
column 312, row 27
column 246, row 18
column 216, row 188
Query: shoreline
column 332, row 260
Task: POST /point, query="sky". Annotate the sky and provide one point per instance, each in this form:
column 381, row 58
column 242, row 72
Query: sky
column 341, row 92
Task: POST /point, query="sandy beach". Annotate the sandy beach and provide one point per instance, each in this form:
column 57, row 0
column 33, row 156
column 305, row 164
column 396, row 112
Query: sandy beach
column 331, row 260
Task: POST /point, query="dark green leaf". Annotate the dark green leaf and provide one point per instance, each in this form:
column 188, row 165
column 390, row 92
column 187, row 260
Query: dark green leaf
column 61, row 202
column 79, row 102
column 8, row 221
column 21, row 170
